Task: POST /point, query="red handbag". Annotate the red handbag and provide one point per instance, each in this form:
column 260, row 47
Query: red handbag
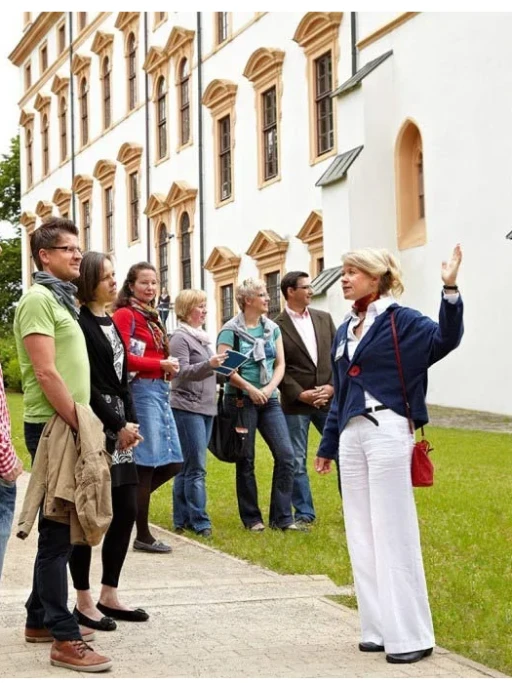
column 422, row 467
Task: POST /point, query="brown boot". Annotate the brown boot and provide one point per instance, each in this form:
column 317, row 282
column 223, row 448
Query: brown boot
column 43, row 635
column 78, row 656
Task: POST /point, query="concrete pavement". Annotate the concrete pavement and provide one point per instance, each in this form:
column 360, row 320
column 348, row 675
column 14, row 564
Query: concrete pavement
column 215, row 616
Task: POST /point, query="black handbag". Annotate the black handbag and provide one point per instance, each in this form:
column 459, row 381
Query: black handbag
column 228, row 441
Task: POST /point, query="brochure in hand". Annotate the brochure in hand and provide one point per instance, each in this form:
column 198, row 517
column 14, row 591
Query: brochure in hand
column 137, row 347
column 234, row 360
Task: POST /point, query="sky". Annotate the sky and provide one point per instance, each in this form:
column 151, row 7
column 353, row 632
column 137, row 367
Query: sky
column 10, row 34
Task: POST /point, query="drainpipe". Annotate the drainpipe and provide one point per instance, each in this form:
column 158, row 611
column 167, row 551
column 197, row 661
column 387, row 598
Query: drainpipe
column 72, row 113
column 146, row 95
column 200, row 145
column 353, row 40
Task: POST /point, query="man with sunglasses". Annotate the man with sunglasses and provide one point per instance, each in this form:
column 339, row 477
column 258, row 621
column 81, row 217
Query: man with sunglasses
column 55, row 375
column 306, row 389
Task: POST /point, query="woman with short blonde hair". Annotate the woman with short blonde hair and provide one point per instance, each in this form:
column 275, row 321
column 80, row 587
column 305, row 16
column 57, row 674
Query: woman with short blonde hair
column 194, row 405
column 368, row 428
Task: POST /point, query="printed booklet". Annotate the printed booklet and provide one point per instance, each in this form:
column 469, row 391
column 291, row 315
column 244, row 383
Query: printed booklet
column 234, row 360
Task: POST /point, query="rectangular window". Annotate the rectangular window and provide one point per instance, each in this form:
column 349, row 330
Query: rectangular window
column 273, row 281
column 324, row 104
column 186, row 265
column 132, row 73
column 269, row 131
column 134, row 206
column 82, row 20
column 222, row 27
column 109, row 219
column 28, row 75
column 86, row 225
column 184, row 111
column 224, row 133
column 61, row 38
column 44, row 58
column 320, row 265
column 163, row 266
column 63, row 130
column 227, row 303
column 107, row 109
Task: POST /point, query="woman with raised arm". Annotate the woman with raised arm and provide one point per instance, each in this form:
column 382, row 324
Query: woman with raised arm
column 368, row 426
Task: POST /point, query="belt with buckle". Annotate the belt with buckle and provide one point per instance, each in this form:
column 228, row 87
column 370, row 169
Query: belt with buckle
column 373, row 409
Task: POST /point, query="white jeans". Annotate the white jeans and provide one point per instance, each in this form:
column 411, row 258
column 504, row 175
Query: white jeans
column 382, row 533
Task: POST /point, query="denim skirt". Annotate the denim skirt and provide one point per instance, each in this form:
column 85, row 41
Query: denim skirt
column 161, row 444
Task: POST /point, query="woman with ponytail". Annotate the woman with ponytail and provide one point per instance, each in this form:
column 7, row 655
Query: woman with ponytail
column 159, row 456
column 367, row 427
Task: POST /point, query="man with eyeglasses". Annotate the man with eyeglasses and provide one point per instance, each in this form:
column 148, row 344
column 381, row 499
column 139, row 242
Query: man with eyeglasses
column 306, row 389
column 55, row 375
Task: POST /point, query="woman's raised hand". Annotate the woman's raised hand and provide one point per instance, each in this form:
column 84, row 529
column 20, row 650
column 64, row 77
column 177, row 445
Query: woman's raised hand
column 449, row 269
column 217, row 360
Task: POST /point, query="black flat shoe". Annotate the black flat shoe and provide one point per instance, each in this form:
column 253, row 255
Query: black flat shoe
column 409, row 657
column 370, row 647
column 103, row 624
column 124, row 614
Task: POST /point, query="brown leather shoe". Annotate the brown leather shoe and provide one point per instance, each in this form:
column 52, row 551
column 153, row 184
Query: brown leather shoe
column 43, row 635
column 78, row 656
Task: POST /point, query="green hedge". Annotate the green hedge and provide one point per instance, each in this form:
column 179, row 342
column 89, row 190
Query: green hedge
column 9, row 362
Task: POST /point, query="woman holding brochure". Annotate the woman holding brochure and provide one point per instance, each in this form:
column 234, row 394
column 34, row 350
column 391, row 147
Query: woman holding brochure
column 260, row 339
column 194, row 405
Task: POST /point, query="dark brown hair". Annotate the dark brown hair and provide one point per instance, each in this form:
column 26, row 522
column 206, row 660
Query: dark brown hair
column 91, row 272
column 48, row 234
column 123, row 297
column 290, row 280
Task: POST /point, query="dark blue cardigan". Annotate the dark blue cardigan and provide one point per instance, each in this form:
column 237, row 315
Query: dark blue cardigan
column 422, row 343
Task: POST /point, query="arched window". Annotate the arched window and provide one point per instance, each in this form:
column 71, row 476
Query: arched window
column 161, row 118
column 186, row 264
column 410, row 190
column 107, row 102
column 132, row 72
column 162, row 256
column 84, row 111
column 46, row 149
column 63, row 108
column 184, row 102
column 30, row 165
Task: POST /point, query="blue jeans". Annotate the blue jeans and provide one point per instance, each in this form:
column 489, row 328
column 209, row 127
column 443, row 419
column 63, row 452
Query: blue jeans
column 47, row 605
column 269, row 420
column 298, row 426
column 189, row 491
column 7, row 501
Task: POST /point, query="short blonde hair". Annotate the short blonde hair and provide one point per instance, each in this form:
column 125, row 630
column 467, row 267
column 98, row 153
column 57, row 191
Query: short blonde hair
column 186, row 301
column 378, row 263
column 249, row 288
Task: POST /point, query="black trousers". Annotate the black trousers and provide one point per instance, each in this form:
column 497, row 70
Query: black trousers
column 115, row 543
column 47, row 604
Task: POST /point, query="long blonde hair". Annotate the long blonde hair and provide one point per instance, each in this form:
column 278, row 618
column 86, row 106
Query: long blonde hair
column 378, row 263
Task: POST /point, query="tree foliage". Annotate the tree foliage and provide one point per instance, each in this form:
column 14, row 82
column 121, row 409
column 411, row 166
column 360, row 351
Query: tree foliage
column 10, row 191
column 10, row 258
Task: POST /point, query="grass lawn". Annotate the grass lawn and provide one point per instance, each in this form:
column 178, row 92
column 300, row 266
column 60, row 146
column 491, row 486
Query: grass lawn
column 466, row 527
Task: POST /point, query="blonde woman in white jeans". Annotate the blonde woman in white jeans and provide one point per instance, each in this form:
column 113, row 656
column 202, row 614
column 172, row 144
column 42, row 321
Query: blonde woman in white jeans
column 367, row 425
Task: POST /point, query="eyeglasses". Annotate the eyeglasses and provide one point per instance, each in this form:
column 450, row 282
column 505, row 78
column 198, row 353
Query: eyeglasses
column 263, row 295
column 69, row 250
column 304, row 287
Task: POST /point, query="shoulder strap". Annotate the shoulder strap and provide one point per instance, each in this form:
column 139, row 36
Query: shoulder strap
column 236, row 347
column 401, row 372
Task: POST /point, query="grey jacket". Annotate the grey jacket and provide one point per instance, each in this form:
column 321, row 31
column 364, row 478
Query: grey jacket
column 194, row 388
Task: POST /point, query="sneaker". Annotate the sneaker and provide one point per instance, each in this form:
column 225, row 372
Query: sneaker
column 43, row 635
column 296, row 527
column 205, row 533
column 258, row 526
column 78, row 656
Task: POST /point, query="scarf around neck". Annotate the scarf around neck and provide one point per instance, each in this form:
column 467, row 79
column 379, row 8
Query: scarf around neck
column 196, row 332
column 158, row 331
column 64, row 292
column 361, row 305
column 239, row 327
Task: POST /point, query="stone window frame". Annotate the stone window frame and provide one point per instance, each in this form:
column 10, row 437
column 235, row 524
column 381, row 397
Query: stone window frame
column 42, row 105
column 27, row 74
column 159, row 20
column 62, row 200
column 312, row 235
column 229, row 28
column 180, row 46
column 268, row 250
column 61, row 31
column 43, row 58
column 158, row 212
column 265, row 70
column 157, row 66
column 81, row 22
column 83, row 187
column 181, row 199
column 44, row 209
column 162, row 246
column 105, row 173
column 317, row 34
column 128, row 23
column 130, row 156
column 224, row 266
column 60, row 88
column 103, row 47
column 27, row 122
column 220, row 98
column 411, row 220
column 81, row 69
